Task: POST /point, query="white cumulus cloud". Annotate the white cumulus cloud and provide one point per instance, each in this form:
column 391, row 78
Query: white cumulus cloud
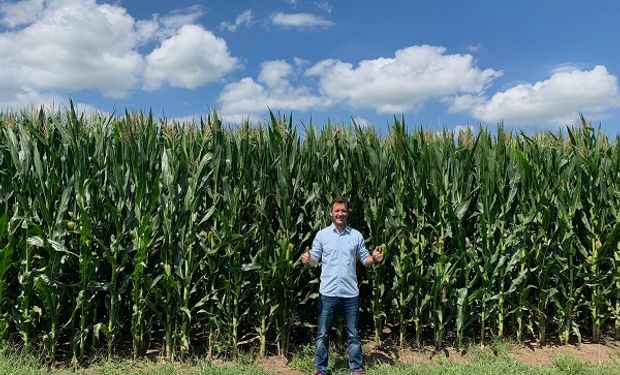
column 248, row 98
column 556, row 100
column 244, row 18
column 300, row 20
column 73, row 45
column 163, row 27
column 180, row 17
column 191, row 58
column 20, row 13
column 58, row 47
column 404, row 82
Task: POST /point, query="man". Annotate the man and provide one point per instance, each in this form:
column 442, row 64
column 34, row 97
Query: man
column 337, row 247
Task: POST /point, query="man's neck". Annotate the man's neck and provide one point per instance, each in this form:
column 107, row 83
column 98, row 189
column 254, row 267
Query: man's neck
column 340, row 228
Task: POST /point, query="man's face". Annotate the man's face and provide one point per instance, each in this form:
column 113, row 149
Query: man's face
column 340, row 213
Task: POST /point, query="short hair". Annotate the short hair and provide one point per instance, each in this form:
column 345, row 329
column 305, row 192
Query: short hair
column 341, row 200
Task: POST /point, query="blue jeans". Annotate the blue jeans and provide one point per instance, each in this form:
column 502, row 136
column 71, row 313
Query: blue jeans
column 328, row 308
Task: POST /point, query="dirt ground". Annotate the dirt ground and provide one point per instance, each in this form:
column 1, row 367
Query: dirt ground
column 277, row 366
column 528, row 353
column 587, row 352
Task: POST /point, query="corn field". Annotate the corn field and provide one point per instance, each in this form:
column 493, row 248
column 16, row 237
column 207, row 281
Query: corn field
column 120, row 234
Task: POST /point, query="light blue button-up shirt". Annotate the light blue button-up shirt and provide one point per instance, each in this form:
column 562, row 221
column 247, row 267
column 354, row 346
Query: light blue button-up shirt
column 337, row 253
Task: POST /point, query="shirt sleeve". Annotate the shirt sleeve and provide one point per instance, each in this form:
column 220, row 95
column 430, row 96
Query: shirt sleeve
column 317, row 249
column 362, row 252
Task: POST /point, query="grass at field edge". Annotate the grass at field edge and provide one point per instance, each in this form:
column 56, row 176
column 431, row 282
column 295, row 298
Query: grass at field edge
column 482, row 362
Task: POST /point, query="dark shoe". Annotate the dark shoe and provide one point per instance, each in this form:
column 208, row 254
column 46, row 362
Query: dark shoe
column 317, row 372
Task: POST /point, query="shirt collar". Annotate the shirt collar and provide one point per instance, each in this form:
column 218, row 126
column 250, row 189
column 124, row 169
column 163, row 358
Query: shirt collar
column 347, row 229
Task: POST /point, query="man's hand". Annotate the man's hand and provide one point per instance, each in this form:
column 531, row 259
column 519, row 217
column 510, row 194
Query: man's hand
column 377, row 257
column 374, row 258
column 306, row 258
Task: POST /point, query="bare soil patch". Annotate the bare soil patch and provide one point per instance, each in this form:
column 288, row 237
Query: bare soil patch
column 593, row 353
column 277, row 365
column 607, row 352
column 429, row 355
column 530, row 354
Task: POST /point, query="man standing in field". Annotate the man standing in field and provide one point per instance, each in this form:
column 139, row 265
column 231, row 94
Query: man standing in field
column 337, row 247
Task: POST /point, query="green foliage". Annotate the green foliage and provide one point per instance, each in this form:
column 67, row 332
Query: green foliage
column 125, row 233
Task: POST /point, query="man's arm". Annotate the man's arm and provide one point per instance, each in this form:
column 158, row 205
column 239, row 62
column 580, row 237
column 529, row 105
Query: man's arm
column 375, row 258
column 308, row 259
column 312, row 259
column 368, row 261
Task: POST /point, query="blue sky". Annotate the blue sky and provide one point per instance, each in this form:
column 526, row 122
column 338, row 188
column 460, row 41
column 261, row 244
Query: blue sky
column 531, row 64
